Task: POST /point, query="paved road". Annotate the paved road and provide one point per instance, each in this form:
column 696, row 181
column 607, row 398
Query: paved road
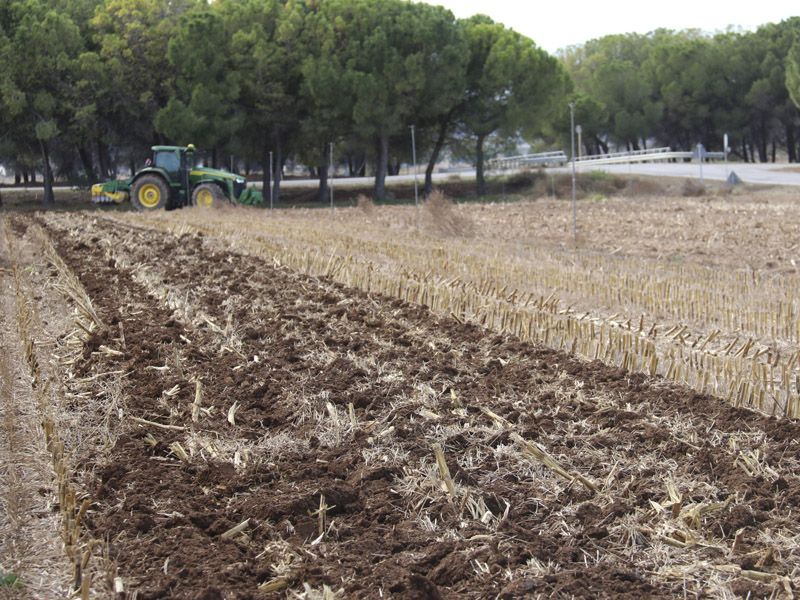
column 775, row 174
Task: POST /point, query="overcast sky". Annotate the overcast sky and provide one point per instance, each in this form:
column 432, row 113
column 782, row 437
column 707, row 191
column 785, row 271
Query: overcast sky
column 555, row 24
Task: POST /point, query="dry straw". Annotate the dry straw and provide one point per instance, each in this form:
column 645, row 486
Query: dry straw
column 672, row 533
column 444, row 217
column 78, row 545
column 717, row 330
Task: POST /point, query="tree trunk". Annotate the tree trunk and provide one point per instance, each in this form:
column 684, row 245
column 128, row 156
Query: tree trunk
column 86, row 160
column 49, row 198
column 790, row 144
column 797, row 142
column 356, row 161
column 102, row 160
column 762, row 149
column 276, row 175
column 479, row 166
column 322, row 170
column 437, row 148
column 379, row 193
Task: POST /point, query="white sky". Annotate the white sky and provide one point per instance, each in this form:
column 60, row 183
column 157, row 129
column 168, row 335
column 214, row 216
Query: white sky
column 555, row 24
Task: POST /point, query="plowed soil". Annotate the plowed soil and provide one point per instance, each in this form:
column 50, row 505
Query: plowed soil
column 315, row 427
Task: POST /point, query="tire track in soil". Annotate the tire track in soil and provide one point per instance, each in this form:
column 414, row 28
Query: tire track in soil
column 321, row 343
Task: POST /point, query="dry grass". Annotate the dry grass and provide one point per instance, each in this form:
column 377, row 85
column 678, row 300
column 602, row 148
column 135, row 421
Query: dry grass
column 28, row 485
column 692, row 188
column 366, row 205
column 674, row 537
column 701, row 291
column 444, row 217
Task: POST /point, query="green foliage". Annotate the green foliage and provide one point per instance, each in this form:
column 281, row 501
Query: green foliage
column 10, row 580
column 513, row 87
column 132, row 80
column 109, row 78
column 37, row 86
column 375, row 67
column 793, row 73
column 207, row 87
column 680, row 88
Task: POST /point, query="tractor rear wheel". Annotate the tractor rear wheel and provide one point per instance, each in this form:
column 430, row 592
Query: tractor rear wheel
column 150, row 192
column 208, row 195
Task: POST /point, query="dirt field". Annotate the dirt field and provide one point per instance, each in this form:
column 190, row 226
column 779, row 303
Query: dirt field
column 232, row 428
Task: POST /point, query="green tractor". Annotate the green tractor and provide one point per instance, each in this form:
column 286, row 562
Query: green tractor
column 169, row 180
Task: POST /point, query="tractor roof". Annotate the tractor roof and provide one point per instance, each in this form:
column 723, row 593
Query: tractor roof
column 173, row 148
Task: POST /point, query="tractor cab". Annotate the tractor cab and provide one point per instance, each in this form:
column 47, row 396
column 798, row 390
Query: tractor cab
column 167, row 159
column 172, row 159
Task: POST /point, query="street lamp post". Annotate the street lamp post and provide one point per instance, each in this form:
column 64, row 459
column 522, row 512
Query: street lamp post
column 414, row 158
column 725, row 156
column 572, row 137
column 271, row 187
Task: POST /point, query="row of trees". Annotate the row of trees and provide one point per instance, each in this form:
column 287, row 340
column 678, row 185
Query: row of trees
column 89, row 85
column 680, row 89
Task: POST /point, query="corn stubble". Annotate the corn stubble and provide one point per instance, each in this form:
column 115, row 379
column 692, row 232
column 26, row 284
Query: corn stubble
column 513, row 291
column 36, row 426
column 725, row 332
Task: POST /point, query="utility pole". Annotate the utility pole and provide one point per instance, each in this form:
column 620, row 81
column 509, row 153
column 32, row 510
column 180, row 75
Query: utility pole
column 330, row 177
column 272, row 174
column 725, row 156
column 572, row 137
column 414, row 158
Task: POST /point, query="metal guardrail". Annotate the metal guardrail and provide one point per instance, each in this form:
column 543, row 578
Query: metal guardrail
column 645, row 155
column 456, row 169
column 665, row 153
column 515, row 162
column 559, row 158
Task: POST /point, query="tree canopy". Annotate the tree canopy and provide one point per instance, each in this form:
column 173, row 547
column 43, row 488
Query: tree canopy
column 682, row 88
column 288, row 79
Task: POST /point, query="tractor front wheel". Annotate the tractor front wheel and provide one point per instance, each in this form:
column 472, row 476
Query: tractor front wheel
column 150, row 192
column 208, row 195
